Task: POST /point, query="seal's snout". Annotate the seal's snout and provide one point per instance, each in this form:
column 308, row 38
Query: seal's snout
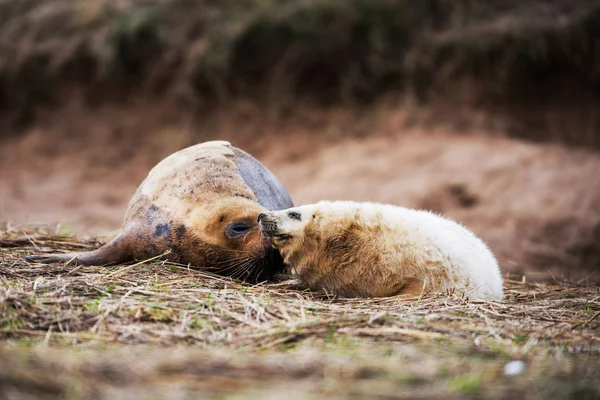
column 268, row 225
column 271, row 228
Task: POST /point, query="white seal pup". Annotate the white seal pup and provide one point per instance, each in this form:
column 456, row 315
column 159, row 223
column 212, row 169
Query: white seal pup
column 372, row 250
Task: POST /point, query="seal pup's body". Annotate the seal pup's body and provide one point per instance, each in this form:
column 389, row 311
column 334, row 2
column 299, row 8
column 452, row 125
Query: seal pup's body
column 371, row 250
column 198, row 206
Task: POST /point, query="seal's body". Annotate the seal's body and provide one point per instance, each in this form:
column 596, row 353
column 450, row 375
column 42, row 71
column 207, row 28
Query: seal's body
column 199, row 206
column 368, row 249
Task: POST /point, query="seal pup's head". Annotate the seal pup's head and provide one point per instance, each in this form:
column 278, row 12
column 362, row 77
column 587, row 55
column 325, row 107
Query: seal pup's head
column 317, row 240
column 289, row 229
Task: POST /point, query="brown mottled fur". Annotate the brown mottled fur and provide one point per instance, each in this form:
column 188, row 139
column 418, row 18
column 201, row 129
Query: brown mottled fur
column 181, row 211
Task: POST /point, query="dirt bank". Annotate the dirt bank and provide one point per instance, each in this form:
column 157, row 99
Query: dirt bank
column 534, row 62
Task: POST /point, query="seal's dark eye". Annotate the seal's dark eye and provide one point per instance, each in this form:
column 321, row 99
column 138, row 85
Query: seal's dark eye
column 294, row 215
column 236, row 229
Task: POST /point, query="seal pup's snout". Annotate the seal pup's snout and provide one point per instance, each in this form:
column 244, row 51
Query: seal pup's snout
column 272, row 227
column 276, row 226
column 267, row 225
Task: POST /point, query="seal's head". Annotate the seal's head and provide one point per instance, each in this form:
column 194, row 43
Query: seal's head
column 301, row 234
column 286, row 227
column 325, row 244
column 226, row 233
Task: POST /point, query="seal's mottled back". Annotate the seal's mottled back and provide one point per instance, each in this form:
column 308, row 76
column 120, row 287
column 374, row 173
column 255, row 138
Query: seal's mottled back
column 198, row 206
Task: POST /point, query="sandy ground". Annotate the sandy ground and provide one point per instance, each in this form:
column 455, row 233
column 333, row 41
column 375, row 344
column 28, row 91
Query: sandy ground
column 537, row 205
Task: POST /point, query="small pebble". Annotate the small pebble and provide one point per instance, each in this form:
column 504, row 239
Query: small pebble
column 514, row 368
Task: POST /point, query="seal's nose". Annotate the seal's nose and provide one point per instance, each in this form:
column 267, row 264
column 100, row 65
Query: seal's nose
column 261, row 216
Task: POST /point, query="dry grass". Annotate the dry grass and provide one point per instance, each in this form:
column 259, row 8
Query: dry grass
column 154, row 328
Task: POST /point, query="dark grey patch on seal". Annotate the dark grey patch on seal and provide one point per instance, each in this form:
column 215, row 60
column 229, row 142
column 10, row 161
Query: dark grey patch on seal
column 162, row 230
column 266, row 187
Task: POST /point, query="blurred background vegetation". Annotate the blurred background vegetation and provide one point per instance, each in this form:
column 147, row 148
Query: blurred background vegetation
column 525, row 60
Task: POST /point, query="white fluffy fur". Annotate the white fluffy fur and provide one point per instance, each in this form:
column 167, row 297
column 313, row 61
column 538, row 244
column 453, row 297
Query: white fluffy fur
column 469, row 260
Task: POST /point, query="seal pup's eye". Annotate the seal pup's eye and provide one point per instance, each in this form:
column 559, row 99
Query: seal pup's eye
column 295, row 215
column 237, row 229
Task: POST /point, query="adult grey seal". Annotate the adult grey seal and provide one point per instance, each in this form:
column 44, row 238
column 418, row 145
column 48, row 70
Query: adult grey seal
column 199, row 206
